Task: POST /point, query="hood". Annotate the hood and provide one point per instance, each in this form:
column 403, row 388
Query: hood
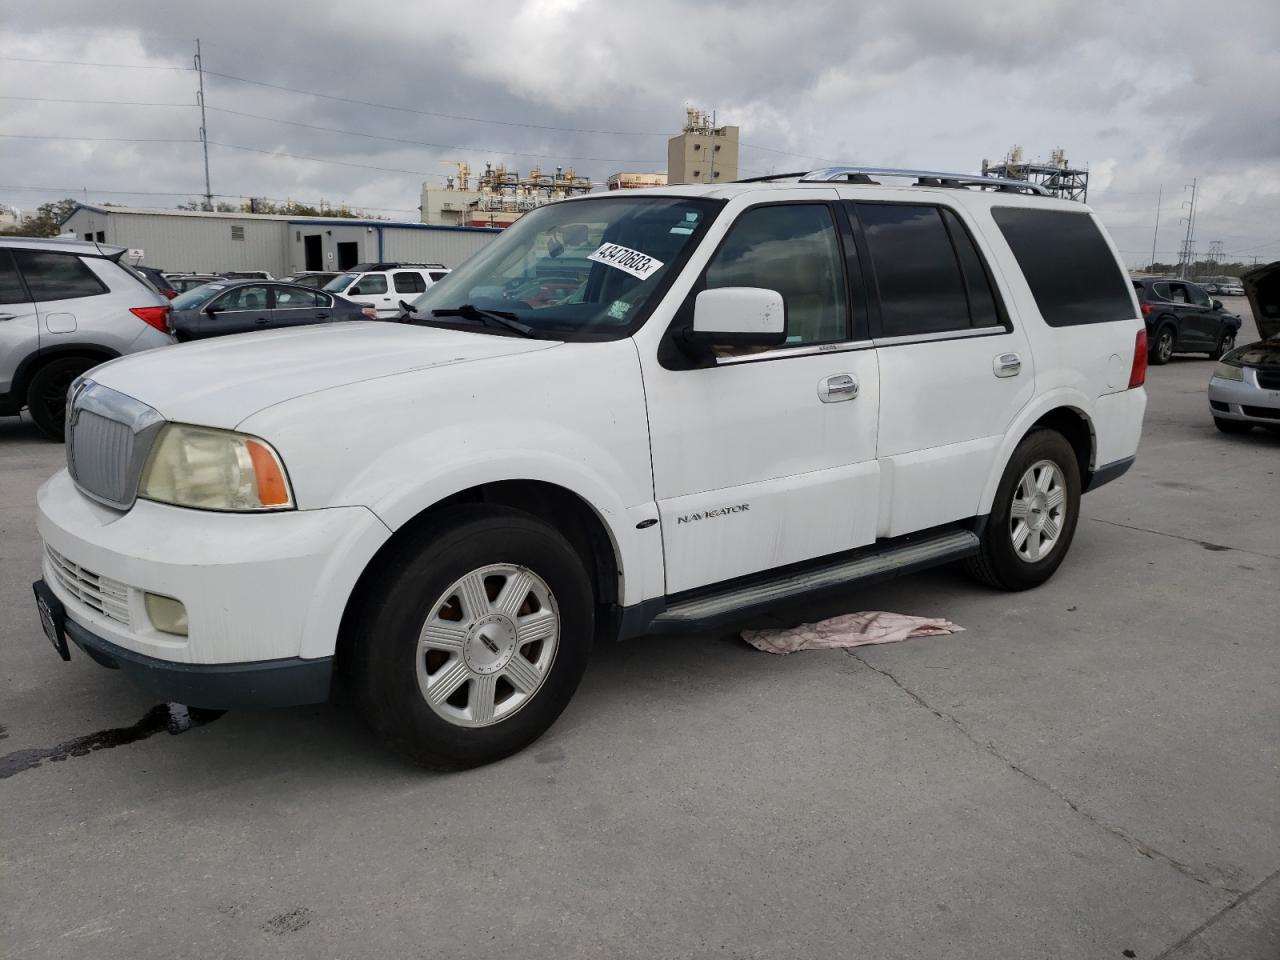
column 1262, row 287
column 220, row 382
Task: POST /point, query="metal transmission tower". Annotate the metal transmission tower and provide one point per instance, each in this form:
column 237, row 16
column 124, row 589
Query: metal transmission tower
column 1215, row 252
column 1056, row 176
column 1189, row 241
column 204, row 133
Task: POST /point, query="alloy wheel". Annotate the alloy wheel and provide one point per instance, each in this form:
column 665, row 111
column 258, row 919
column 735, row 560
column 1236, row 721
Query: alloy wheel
column 488, row 645
column 1039, row 511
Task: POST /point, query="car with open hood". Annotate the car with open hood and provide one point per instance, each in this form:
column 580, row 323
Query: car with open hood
column 1244, row 390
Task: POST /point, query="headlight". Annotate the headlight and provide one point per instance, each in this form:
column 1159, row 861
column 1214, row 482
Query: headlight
column 214, row 470
column 1228, row 371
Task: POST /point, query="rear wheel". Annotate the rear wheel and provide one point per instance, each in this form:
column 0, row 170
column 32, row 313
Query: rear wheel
column 1033, row 518
column 47, row 394
column 1162, row 346
column 477, row 640
column 1232, row 426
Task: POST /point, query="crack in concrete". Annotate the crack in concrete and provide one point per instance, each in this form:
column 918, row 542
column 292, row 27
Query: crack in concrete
column 1138, row 846
column 1221, row 914
column 1177, row 536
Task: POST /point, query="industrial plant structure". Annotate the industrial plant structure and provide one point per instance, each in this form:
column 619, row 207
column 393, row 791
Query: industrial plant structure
column 703, row 152
column 499, row 196
column 1057, row 176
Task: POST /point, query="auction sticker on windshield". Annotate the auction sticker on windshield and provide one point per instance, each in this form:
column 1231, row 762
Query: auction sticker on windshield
column 627, row 260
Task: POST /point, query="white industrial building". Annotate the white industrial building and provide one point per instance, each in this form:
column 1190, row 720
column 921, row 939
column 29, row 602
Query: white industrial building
column 196, row 241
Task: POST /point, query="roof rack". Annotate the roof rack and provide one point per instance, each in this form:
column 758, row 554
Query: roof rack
column 768, row 177
column 923, row 178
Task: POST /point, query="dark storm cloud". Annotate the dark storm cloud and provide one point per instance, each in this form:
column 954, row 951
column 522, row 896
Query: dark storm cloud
column 928, row 83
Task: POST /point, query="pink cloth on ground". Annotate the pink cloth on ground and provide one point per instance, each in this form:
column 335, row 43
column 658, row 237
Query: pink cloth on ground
column 849, row 630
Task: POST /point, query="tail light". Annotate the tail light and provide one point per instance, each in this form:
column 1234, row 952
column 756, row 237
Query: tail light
column 370, row 312
column 1146, row 309
column 1138, row 372
column 157, row 317
column 170, row 293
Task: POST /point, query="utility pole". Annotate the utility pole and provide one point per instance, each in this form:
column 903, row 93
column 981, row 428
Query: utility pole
column 1156, row 232
column 1188, row 249
column 204, row 133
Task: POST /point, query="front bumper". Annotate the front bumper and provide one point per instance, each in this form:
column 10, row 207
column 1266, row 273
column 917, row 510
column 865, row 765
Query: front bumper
column 1244, row 400
column 264, row 587
column 215, row 686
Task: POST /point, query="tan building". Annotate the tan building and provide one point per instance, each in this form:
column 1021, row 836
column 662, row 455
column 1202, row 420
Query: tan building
column 703, row 153
column 636, row 181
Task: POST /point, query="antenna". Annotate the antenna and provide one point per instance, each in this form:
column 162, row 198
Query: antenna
column 204, row 134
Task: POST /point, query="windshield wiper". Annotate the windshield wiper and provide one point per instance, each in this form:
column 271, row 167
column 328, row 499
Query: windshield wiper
column 470, row 311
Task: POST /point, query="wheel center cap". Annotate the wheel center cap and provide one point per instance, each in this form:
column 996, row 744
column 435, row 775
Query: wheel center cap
column 490, row 643
column 1038, row 511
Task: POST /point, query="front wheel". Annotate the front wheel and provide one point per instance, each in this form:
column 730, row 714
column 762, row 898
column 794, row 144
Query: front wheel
column 1033, row 518
column 477, row 640
column 1226, row 343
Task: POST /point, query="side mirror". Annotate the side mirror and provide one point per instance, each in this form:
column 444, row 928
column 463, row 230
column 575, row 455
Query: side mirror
column 354, row 292
column 1217, row 304
column 212, row 311
column 738, row 317
column 407, row 308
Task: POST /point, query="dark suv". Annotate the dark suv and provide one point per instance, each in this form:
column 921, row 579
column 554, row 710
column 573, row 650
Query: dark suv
column 1182, row 318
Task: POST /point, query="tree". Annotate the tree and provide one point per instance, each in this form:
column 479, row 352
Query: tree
column 47, row 221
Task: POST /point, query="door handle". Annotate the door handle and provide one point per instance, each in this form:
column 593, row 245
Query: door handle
column 322, row 316
column 262, row 320
column 1008, row 365
column 7, row 316
column 839, row 387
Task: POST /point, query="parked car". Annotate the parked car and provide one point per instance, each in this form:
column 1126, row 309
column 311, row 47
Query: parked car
column 1232, row 288
column 757, row 391
column 65, row 307
column 383, row 285
column 241, row 306
column 1244, row 390
column 245, row 274
column 313, row 278
column 182, row 282
column 1182, row 318
column 156, row 279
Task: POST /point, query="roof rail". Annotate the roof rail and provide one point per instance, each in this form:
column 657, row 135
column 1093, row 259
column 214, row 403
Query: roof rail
column 769, row 177
column 923, row 178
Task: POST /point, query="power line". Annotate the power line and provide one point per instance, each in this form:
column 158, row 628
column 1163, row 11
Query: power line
column 195, row 193
column 295, row 156
column 32, row 136
column 110, row 103
column 85, row 63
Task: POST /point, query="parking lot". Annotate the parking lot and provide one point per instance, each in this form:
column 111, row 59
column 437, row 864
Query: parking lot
column 1089, row 770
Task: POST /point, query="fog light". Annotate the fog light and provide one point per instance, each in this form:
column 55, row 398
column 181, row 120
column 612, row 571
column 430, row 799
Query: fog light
column 167, row 614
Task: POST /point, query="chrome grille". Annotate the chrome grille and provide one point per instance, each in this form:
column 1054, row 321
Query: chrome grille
column 101, row 594
column 99, row 456
column 109, row 436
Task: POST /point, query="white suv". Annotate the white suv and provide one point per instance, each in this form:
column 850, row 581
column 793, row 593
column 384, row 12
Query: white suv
column 632, row 413
column 384, row 285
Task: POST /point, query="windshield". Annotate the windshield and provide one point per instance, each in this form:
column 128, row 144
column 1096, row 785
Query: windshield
column 581, row 267
column 197, row 296
column 341, row 282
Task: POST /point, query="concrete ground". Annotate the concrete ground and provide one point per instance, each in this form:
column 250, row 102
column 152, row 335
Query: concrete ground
column 1089, row 770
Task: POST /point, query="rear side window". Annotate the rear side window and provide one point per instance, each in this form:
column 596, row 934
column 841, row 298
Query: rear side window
column 292, row 297
column 10, row 283
column 437, row 275
column 1071, row 271
column 57, row 276
column 983, row 311
column 916, row 270
column 407, row 282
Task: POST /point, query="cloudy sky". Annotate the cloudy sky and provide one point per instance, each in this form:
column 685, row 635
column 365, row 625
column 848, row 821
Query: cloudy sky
column 1148, row 95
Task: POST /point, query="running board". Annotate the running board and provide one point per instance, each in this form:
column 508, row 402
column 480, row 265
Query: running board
column 890, row 561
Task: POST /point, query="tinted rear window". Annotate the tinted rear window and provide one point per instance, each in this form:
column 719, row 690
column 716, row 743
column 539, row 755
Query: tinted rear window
column 1068, row 265
column 57, row 276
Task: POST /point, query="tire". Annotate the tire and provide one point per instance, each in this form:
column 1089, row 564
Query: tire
column 1232, row 426
column 1001, row 561
column 1162, row 346
column 475, row 556
column 1226, row 343
column 47, row 394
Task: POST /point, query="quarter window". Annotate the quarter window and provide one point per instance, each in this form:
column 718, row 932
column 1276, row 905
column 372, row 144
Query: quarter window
column 983, row 311
column 793, row 249
column 57, row 276
column 406, row 282
column 289, row 298
column 1072, row 273
column 916, row 270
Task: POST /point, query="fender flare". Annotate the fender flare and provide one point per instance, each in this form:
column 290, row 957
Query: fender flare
column 1059, row 398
